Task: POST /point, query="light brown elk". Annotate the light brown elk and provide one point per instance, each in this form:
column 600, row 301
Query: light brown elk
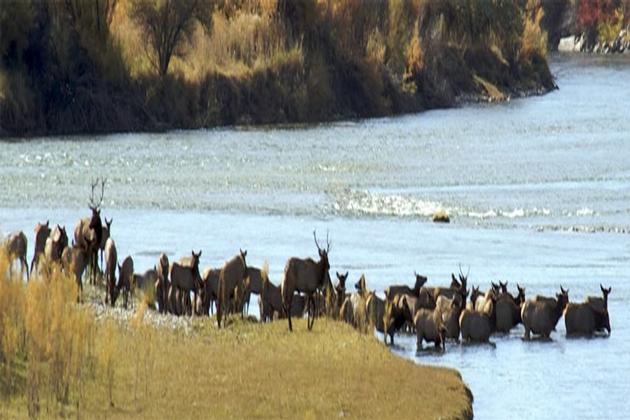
column 111, row 261
column 254, row 284
column 74, row 260
column 16, row 245
column 541, row 316
column 231, row 279
column 457, row 287
column 125, row 278
column 162, row 283
column 397, row 314
column 476, row 326
column 589, row 317
column 210, row 290
column 107, row 232
column 375, row 309
column 306, row 276
column 42, row 231
column 185, row 278
column 270, row 303
column 55, row 244
column 449, row 311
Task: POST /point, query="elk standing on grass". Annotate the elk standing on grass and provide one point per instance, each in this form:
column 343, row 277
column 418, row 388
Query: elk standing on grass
column 111, row 260
column 231, row 279
column 125, row 277
column 306, row 276
column 55, row 244
column 107, row 233
column 91, row 228
column 185, row 278
column 162, row 282
column 42, row 231
column 16, row 245
column 74, row 260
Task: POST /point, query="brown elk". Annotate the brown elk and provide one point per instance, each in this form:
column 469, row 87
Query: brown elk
column 457, row 287
column 42, row 231
column 91, row 228
column 449, row 311
column 111, row 261
column 162, row 282
column 588, row 317
column 429, row 327
column 394, row 290
column 231, row 279
column 270, row 303
column 74, row 260
column 185, row 278
column 306, row 276
column 210, row 290
column 55, row 244
column 541, row 316
column 397, row 314
column 254, row 284
column 16, row 245
column 508, row 309
column 125, row 278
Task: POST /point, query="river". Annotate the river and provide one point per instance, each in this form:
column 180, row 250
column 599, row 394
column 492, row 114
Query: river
column 538, row 190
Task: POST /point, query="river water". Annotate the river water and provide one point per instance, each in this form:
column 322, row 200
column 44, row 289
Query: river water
column 538, row 191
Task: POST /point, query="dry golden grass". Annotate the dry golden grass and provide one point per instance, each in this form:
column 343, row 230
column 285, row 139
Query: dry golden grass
column 104, row 369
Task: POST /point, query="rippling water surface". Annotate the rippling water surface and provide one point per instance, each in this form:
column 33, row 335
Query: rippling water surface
column 538, row 191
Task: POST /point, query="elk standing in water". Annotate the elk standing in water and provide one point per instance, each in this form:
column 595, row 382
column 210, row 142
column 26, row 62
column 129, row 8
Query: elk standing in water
column 306, row 276
column 16, row 245
column 42, row 231
column 589, row 317
column 231, row 279
column 540, row 316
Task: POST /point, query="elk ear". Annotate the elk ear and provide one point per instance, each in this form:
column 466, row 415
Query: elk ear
column 345, row 276
column 47, row 221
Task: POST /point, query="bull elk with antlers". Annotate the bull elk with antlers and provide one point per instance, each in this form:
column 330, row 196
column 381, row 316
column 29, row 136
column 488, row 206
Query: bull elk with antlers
column 306, row 276
column 91, row 228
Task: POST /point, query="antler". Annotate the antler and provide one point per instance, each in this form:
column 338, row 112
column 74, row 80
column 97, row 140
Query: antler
column 93, row 204
column 327, row 242
column 316, row 243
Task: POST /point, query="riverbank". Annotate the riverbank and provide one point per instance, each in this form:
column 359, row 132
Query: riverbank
column 67, row 71
column 60, row 359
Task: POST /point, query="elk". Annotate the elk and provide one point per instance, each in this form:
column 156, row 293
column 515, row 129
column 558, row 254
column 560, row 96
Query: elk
column 232, row 276
column 338, row 294
column 74, row 260
column 394, row 290
column 210, row 290
column 589, row 317
column 306, row 276
column 107, row 232
column 541, row 316
column 508, row 309
column 125, row 278
column 185, row 278
column 162, row 283
column 397, row 314
column 92, row 228
column 111, row 261
column 430, row 328
column 375, row 309
column 449, row 311
column 16, row 245
column 270, row 303
column 55, row 244
column 456, row 287
column 42, row 231
column 255, row 276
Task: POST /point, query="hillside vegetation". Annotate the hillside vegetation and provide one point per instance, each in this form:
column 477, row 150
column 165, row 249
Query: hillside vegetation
column 87, row 66
column 58, row 360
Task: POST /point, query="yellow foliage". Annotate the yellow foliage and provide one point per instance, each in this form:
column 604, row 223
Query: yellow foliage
column 534, row 39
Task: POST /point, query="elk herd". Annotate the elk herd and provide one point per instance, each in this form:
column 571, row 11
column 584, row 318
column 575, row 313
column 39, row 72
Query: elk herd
column 434, row 314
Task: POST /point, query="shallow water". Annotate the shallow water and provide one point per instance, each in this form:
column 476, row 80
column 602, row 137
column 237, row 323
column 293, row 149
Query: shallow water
column 525, row 182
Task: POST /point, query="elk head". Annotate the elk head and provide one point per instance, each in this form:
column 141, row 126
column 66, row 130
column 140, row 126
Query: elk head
column 420, row 281
column 521, row 294
column 342, row 280
column 503, row 287
column 495, row 287
column 474, row 295
column 323, row 252
column 605, row 292
column 243, row 255
column 108, row 223
column 360, row 285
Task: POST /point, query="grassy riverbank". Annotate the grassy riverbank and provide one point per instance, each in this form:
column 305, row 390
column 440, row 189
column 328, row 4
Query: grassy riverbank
column 103, row 66
column 59, row 360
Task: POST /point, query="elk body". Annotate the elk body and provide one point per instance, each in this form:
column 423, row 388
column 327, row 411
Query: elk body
column 508, row 309
column 74, row 260
column 16, row 245
column 55, row 244
column 397, row 314
column 90, row 229
column 125, row 278
column 111, row 261
column 107, row 231
column 375, row 309
column 541, row 316
column 254, row 283
column 449, row 311
column 392, row 291
column 42, row 232
column 210, row 289
column 185, row 278
column 162, row 282
column 429, row 327
column 306, row 276
column 589, row 317
column 231, row 280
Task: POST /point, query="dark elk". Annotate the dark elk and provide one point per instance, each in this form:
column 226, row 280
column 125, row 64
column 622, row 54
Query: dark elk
column 306, row 276
column 92, row 229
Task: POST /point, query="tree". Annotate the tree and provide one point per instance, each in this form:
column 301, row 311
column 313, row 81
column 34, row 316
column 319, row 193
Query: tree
column 167, row 23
